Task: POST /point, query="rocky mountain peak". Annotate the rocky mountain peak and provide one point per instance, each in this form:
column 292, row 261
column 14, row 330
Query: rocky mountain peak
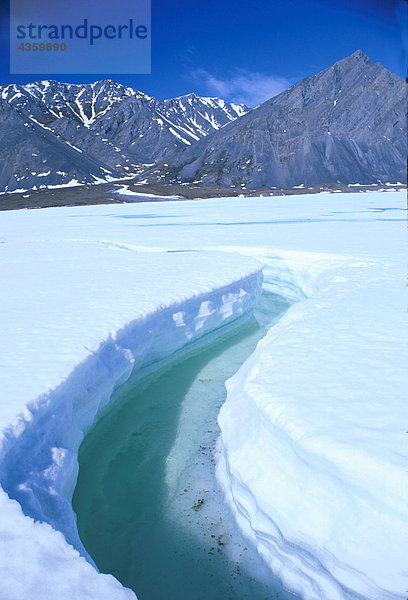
column 346, row 124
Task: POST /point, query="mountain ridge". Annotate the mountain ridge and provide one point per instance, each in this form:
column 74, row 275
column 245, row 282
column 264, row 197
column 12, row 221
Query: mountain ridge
column 346, row 124
column 116, row 126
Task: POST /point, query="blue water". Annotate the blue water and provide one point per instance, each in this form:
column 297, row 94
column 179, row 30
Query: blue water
column 149, row 507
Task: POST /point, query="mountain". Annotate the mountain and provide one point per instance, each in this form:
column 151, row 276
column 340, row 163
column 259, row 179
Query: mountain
column 32, row 156
column 49, row 100
column 150, row 128
column 117, row 128
column 346, row 124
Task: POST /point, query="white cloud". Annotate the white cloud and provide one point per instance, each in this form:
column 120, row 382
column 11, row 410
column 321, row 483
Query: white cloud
column 243, row 87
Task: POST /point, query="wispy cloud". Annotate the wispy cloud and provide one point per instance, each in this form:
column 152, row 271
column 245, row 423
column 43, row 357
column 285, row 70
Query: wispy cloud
column 242, row 87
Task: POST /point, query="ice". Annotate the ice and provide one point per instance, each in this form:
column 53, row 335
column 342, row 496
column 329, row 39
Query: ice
column 313, row 430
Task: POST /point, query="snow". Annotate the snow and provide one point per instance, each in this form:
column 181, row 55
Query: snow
column 319, row 408
column 19, row 190
column 74, row 147
column 179, row 137
column 16, row 95
column 70, row 183
column 125, row 191
column 239, row 109
column 86, row 121
column 82, row 326
column 312, row 447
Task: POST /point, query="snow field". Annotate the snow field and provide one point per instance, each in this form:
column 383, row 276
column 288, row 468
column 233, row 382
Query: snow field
column 313, row 442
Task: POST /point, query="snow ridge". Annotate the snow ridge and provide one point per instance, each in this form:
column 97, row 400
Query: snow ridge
column 285, row 424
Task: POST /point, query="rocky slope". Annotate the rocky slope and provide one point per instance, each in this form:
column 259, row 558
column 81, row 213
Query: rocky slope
column 346, row 124
column 32, row 156
column 114, row 126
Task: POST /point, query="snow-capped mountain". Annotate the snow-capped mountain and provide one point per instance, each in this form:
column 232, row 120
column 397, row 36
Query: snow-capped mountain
column 204, row 114
column 150, row 128
column 50, row 100
column 116, row 126
column 346, row 124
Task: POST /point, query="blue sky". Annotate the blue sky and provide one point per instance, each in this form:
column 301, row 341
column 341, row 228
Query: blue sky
column 249, row 51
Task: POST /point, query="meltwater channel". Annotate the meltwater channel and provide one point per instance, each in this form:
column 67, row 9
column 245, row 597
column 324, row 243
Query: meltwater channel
column 149, row 507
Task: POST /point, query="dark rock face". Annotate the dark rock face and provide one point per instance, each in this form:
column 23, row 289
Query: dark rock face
column 33, row 157
column 114, row 126
column 347, row 124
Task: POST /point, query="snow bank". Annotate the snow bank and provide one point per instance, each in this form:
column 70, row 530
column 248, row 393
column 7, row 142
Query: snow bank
column 313, row 445
column 88, row 315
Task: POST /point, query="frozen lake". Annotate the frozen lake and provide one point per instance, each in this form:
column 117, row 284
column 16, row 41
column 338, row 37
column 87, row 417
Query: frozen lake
column 311, row 457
